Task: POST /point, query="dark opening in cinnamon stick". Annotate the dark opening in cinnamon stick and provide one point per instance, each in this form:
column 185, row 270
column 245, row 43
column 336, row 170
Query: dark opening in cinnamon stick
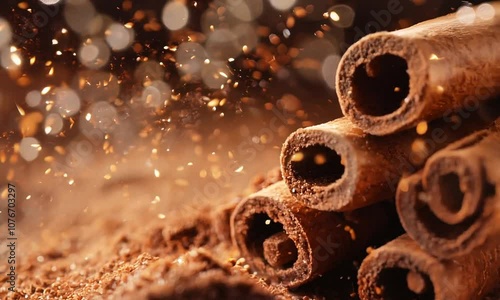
column 336, row 166
column 402, row 270
column 390, row 81
column 284, row 240
column 453, row 207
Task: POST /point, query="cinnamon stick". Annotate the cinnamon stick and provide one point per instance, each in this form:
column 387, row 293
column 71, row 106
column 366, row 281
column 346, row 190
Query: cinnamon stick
column 402, row 270
column 452, row 206
column 389, row 81
column 289, row 243
column 336, row 166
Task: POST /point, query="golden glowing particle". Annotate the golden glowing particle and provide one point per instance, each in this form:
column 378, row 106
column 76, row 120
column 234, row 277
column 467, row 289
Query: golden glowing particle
column 107, row 176
column 440, row 89
column 51, row 71
column 5, row 193
column 422, row 127
column 397, row 89
column 32, row 60
column 59, row 53
column 157, row 173
column 351, row 232
column 161, row 216
column 16, row 59
column 334, row 16
column 64, row 31
column 20, row 110
column 240, row 168
column 379, row 290
column 54, row 42
column 433, row 57
column 112, row 168
column 213, row 103
column 268, row 222
column 48, row 171
column 299, row 156
column 319, row 159
column 45, row 90
column 88, row 116
column 223, row 74
column 156, row 200
column 71, row 181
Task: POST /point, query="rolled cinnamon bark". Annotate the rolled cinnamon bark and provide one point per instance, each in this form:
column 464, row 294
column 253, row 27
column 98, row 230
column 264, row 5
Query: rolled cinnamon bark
column 291, row 244
column 336, row 166
column 452, row 207
column 390, row 81
column 402, row 270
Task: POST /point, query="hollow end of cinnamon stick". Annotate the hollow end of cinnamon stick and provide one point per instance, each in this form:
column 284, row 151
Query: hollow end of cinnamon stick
column 380, row 81
column 291, row 244
column 319, row 167
column 439, row 238
column 402, row 270
column 456, row 185
column 390, row 81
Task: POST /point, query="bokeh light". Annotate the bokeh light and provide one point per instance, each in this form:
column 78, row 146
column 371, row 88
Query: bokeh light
column 119, row 37
column 341, row 15
column 79, row 14
column 485, row 11
column 175, row 15
column 94, row 53
column 282, row 4
column 103, row 116
column 33, row 98
column 50, row 2
column 466, row 15
column 190, row 57
column 329, row 69
column 245, row 10
column 67, row 101
column 10, row 58
column 53, row 124
column 156, row 94
column 5, row 33
column 29, row 148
